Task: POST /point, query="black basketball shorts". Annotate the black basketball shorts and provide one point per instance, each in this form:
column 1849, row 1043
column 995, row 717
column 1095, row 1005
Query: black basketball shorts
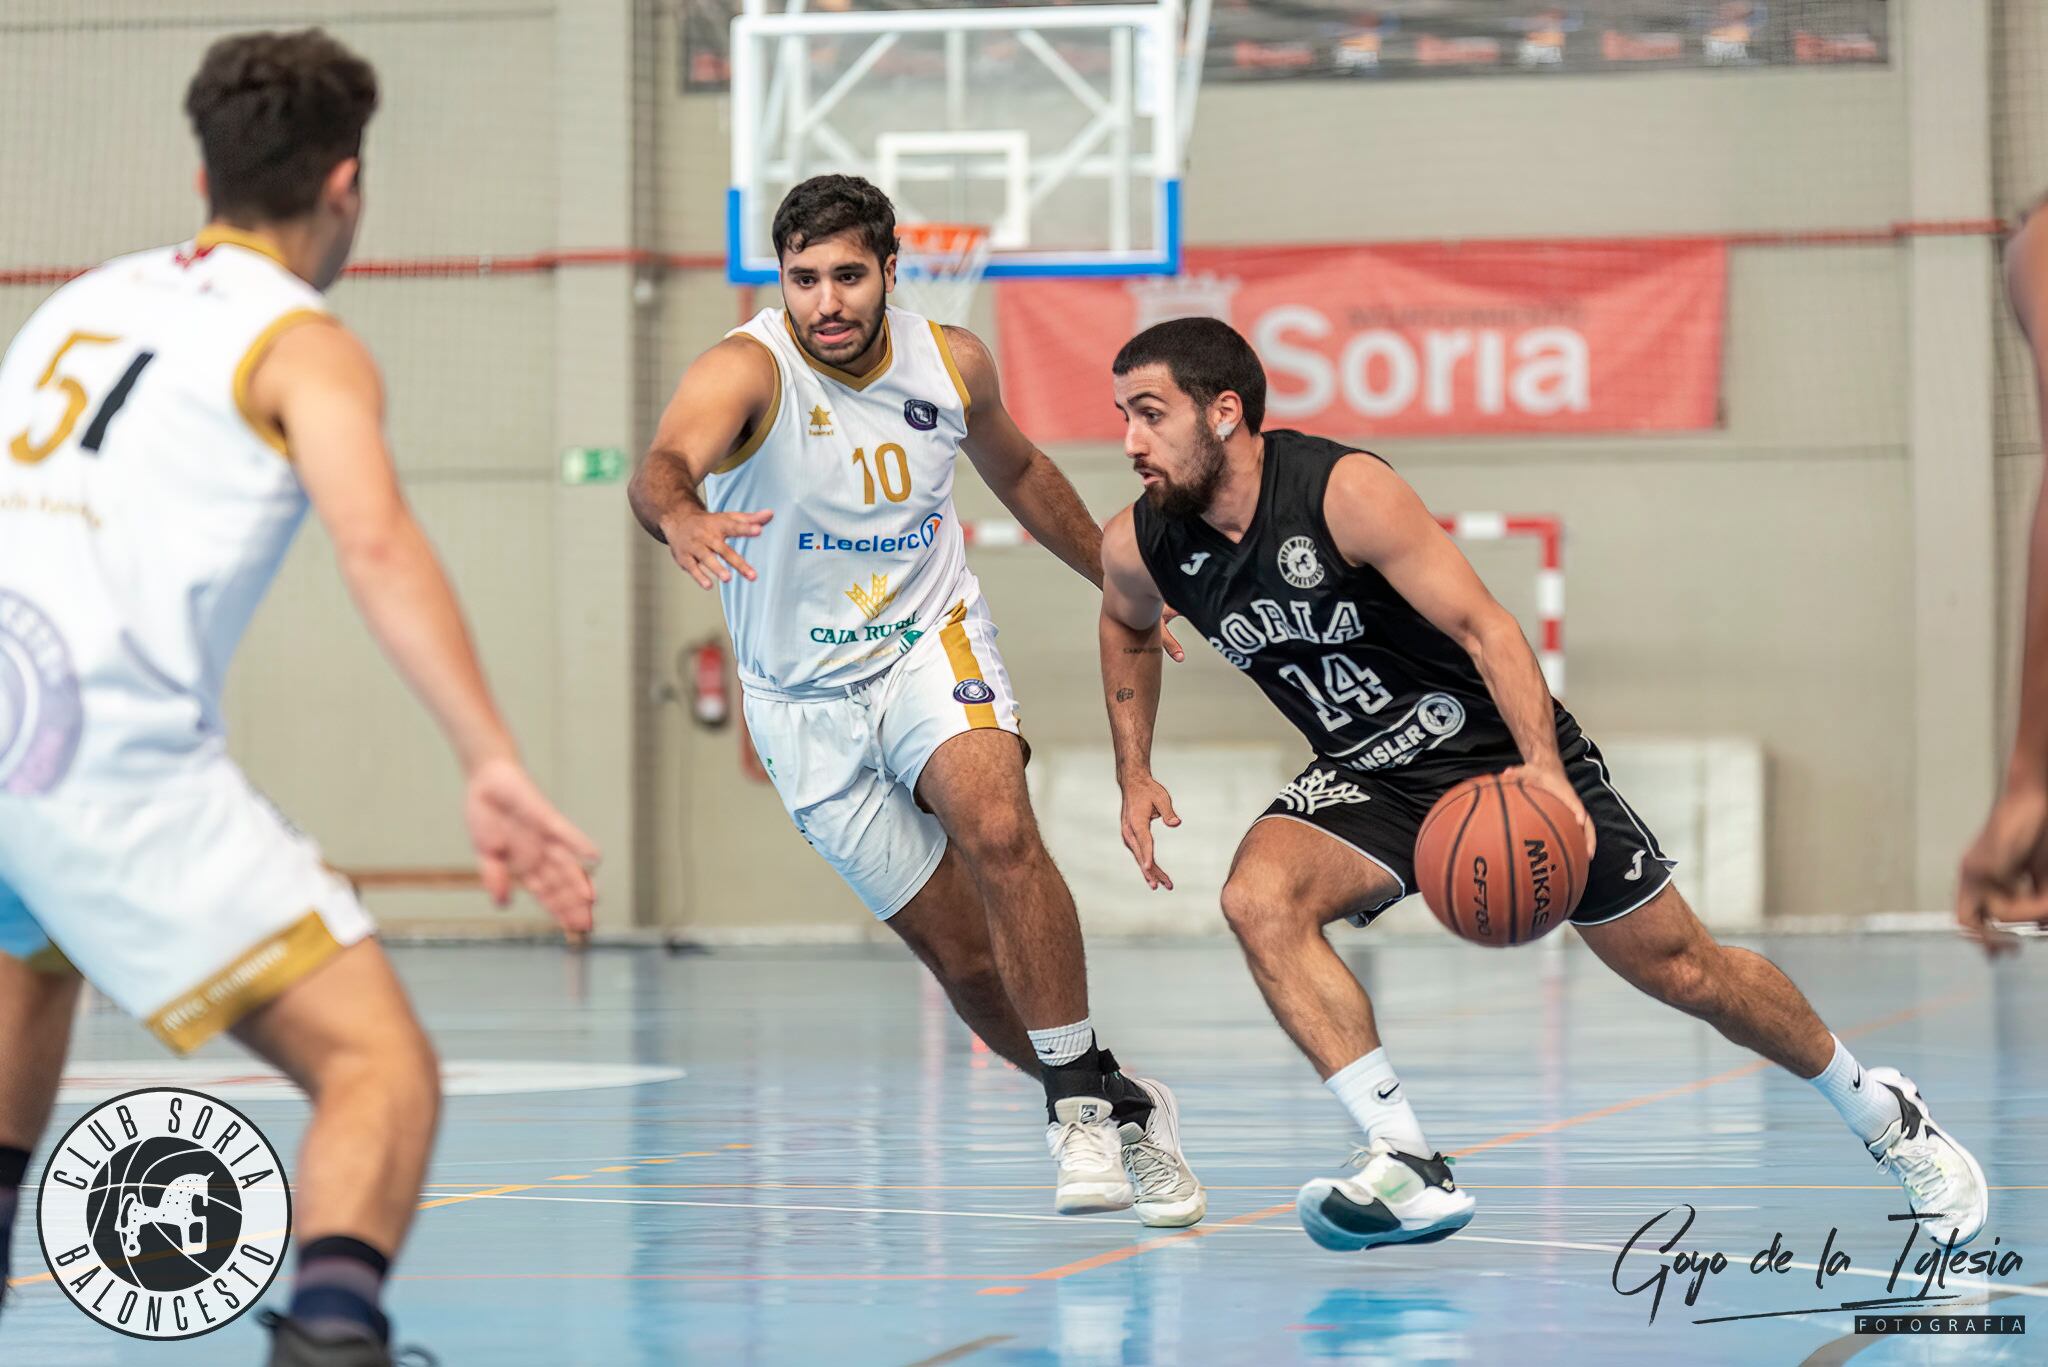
column 1379, row 814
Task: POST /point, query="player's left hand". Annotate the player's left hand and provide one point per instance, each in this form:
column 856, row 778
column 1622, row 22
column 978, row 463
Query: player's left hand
column 1551, row 780
column 2004, row 874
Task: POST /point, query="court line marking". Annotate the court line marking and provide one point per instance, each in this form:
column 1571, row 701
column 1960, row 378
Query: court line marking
column 963, row 1350
column 1099, row 1260
column 512, row 1192
column 1040, row 1186
column 511, row 1195
column 492, row 1193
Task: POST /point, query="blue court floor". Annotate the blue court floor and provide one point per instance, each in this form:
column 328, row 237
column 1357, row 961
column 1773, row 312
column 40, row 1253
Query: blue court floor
column 805, row 1160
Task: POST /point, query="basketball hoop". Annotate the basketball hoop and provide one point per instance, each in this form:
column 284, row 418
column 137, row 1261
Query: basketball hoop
column 938, row 267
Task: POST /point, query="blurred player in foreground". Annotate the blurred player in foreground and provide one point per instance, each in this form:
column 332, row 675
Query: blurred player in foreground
column 168, row 418
column 2004, row 875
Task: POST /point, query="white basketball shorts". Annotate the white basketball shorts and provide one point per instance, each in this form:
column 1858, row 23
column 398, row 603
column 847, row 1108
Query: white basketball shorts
column 189, row 905
column 846, row 766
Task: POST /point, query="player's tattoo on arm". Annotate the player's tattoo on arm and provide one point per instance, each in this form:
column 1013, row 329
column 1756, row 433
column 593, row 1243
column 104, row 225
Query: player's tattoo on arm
column 1126, row 694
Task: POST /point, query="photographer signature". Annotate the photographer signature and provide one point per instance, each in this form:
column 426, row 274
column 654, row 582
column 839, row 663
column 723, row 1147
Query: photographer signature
column 1692, row 1268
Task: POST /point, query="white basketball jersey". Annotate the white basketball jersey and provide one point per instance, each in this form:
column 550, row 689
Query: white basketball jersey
column 864, row 554
column 142, row 513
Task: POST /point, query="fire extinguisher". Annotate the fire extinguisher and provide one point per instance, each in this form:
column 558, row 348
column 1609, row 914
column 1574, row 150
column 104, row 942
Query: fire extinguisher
column 710, row 693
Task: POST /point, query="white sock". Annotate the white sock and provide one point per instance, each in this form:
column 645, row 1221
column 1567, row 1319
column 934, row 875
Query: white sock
column 1867, row 1107
column 1373, row 1095
column 1063, row 1043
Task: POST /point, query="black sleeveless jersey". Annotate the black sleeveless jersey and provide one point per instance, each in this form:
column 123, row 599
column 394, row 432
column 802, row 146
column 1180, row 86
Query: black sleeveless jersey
column 1343, row 656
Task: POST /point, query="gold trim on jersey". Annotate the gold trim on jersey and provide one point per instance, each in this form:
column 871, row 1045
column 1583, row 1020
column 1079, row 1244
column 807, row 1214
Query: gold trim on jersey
column 752, row 444
column 255, row 977
column 245, row 371
column 846, row 377
column 220, row 235
column 946, row 355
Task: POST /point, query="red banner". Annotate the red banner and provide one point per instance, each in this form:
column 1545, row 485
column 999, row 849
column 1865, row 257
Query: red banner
column 1424, row 340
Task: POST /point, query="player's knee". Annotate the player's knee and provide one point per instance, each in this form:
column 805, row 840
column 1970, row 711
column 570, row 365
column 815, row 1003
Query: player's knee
column 997, row 839
column 1259, row 909
column 397, row 1069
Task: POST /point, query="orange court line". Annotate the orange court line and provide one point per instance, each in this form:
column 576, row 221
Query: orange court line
column 1117, row 1255
column 457, row 1200
column 703, row 1277
column 529, row 1186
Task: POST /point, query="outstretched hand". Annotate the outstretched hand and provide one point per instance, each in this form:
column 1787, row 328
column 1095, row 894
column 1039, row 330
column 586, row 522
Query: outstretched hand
column 701, row 543
column 522, row 840
column 2004, row 874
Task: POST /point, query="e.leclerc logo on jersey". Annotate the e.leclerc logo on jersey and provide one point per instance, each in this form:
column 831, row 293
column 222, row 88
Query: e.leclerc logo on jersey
column 924, row 536
column 164, row 1213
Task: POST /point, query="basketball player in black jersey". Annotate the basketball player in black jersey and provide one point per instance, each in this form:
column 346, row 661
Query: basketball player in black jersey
column 1317, row 571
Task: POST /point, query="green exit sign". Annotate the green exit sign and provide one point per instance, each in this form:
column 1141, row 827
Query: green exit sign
column 593, row 465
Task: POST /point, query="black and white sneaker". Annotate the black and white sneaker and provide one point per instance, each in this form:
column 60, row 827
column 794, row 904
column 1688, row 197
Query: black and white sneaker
column 1940, row 1176
column 1394, row 1198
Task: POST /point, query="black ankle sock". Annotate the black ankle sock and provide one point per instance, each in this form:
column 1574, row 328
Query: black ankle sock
column 335, row 1294
column 13, row 1168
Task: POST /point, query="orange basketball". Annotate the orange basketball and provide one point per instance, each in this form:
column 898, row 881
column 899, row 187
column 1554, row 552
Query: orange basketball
column 1500, row 862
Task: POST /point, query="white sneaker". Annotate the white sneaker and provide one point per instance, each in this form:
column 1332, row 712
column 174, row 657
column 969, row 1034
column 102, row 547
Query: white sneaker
column 1396, row 1198
column 1084, row 1139
column 1939, row 1175
column 1168, row 1196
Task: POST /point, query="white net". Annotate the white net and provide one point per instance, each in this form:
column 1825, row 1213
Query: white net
column 939, row 267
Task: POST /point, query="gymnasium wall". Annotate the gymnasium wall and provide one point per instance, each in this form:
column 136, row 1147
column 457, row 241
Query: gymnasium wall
column 1742, row 582
column 1754, row 580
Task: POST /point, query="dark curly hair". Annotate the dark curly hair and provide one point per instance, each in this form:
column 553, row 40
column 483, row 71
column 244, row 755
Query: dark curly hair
column 274, row 114
column 1206, row 357
column 827, row 205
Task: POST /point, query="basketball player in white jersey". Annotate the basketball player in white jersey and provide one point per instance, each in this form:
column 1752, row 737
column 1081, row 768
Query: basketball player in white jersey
column 825, row 432
column 167, row 418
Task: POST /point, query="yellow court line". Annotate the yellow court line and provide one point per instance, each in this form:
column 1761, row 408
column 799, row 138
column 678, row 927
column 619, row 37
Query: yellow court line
column 472, row 1196
column 1151, row 1245
column 456, row 1200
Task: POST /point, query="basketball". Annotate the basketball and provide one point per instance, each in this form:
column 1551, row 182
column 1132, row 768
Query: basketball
column 1500, row 862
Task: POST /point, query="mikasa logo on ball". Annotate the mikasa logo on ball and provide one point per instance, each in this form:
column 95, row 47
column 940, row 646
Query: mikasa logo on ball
column 164, row 1213
column 1299, row 563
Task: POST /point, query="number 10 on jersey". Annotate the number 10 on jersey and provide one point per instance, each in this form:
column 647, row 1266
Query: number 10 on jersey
column 891, row 467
